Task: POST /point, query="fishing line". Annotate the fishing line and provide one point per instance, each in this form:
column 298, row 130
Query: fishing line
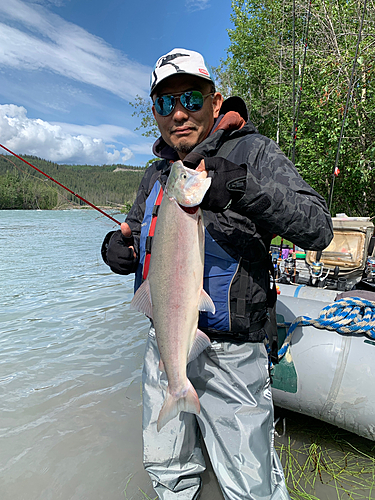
column 62, row 185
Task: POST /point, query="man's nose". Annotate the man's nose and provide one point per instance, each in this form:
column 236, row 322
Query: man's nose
column 180, row 113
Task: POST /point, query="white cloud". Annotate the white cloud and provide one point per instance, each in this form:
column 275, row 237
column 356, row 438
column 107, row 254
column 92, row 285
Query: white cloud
column 142, row 149
column 107, row 132
column 40, row 138
column 58, row 3
column 193, row 5
column 33, row 38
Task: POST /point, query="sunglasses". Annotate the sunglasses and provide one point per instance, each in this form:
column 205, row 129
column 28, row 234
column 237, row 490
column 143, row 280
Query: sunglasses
column 192, row 100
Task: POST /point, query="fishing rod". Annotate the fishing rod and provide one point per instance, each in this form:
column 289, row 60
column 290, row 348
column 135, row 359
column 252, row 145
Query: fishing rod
column 335, row 170
column 295, row 125
column 62, row 185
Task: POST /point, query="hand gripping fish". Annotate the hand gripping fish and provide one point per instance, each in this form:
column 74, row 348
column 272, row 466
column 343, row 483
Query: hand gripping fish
column 172, row 295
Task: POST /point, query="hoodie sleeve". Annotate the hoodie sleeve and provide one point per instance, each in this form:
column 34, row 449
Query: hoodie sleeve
column 279, row 200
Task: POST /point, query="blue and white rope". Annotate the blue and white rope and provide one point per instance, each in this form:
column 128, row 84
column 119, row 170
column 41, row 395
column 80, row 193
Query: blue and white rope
column 351, row 315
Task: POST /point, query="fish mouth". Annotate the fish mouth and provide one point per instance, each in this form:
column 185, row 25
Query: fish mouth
column 189, row 210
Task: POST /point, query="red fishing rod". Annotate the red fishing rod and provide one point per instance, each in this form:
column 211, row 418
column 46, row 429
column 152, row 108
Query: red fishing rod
column 61, row 185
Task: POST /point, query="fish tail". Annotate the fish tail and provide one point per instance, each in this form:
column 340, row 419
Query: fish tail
column 172, row 406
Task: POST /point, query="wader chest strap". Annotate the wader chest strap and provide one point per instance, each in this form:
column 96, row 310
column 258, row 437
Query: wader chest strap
column 227, row 147
column 151, row 233
column 244, row 279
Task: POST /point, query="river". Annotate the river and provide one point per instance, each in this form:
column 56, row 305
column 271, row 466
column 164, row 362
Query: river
column 70, row 369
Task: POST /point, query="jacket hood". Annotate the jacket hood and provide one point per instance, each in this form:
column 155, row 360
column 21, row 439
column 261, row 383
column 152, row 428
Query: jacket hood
column 233, row 116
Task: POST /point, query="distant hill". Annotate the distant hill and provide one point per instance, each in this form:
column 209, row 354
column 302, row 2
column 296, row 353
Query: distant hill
column 22, row 187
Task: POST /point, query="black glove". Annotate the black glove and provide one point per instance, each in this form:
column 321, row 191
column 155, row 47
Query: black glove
column 228, row 182
column 117, row 254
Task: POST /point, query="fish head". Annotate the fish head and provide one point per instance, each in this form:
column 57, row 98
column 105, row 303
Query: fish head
column 187, row 186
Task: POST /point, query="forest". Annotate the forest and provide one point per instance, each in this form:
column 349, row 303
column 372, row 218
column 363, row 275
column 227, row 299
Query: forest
column 306, row 72
column 22, row 187
column 299, row 65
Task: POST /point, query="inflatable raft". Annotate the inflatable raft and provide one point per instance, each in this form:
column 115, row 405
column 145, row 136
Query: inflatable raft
column 324, row 373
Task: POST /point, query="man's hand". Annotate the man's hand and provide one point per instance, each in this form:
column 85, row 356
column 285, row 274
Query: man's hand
column 228, row 182
column 127, row 235
column 118, row 250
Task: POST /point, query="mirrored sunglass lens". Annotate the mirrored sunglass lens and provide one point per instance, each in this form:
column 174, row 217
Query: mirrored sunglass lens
column 193, row 101
column 164, row 104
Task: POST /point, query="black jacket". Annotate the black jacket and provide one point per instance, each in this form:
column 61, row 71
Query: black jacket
column 276, row 201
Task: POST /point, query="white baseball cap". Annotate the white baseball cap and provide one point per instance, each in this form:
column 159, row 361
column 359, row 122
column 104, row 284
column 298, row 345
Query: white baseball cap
column 179, row 61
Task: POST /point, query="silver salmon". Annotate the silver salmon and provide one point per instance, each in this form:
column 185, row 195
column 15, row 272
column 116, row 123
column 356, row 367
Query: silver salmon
column 173, row 294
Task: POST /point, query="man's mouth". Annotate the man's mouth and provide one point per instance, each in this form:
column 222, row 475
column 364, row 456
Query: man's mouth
column 182, row 130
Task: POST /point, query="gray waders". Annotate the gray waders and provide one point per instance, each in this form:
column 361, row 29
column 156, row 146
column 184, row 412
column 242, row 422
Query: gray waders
column 236, row 423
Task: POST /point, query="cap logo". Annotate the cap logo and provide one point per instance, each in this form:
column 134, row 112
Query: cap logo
column 179, row 61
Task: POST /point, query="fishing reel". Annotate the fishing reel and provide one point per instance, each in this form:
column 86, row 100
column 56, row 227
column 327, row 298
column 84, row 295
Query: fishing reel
column 316, row 270
column 288, row 272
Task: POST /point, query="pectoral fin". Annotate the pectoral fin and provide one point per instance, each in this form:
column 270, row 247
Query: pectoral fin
column 205, row 302
column 142, row 299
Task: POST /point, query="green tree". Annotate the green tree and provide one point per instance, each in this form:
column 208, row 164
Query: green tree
column 288, row 63
column 10, row 196
column 142, row 109
column 21, row 187
column 259, row 68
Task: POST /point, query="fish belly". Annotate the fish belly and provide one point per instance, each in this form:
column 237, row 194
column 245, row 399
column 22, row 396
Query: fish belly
column 176, row 279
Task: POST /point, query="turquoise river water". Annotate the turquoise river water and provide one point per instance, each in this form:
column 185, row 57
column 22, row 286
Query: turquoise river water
column 70, row 367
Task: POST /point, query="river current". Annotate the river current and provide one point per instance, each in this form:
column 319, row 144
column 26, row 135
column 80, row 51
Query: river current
column 70, row 362
column 71, row 354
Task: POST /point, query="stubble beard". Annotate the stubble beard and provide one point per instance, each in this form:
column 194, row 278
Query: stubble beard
column 184, row 148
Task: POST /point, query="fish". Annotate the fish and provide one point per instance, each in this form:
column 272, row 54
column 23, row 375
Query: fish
column 172, row 294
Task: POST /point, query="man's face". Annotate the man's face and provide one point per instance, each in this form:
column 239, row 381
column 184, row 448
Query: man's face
column 183, row 129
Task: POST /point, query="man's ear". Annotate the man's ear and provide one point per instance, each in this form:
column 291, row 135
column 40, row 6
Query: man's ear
column 153, row 111
column 217, row 101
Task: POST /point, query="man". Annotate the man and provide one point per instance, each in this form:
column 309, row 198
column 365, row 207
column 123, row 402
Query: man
column 255, row 192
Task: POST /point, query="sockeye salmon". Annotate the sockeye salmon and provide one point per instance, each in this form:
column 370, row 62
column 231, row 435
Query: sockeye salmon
column 173, row 294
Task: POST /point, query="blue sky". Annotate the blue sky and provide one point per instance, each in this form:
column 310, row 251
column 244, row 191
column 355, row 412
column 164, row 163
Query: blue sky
column 68, row 69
